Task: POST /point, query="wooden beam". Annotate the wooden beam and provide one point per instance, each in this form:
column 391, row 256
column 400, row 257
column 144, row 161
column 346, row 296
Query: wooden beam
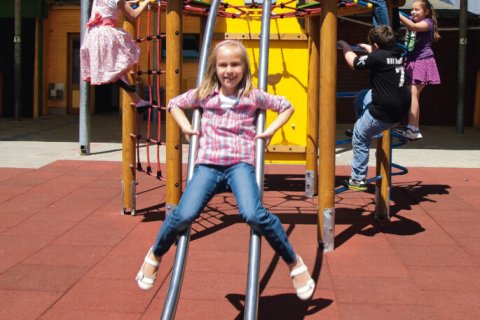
column 174, row 43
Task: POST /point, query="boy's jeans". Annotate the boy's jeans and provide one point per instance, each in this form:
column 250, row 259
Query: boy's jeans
column 380, row 13
column 205, row 182
column 364, row 130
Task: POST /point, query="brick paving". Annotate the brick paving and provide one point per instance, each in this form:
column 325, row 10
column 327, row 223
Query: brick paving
column 66, row 252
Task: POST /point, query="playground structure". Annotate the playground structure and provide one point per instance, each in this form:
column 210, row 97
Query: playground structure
column 294, row 42
column 316, row 147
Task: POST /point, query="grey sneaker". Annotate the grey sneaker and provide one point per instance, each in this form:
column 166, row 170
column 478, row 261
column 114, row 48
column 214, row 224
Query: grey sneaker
column 410, row 134
column 349, row 133
column 357, row 185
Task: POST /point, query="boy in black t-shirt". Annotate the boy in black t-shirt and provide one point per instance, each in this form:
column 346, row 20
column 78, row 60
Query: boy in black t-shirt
column 382, row 107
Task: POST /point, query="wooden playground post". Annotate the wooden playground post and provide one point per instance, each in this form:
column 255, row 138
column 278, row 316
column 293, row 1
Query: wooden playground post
column 311, row 168
column 383, row 169
column 328, row 83
column 174, row 46
column 128, row 144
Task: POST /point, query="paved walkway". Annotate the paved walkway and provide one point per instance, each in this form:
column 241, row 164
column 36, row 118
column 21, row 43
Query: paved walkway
column 67, row 253
column 33, row 143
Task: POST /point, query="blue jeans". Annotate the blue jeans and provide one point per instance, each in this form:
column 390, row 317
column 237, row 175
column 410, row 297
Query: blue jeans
column 205, row 182
column 380, row 13
column 364, row 130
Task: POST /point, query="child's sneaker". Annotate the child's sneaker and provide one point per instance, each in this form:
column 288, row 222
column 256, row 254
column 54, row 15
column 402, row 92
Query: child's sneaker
column 410, row 134
column 125, row 86
column 353, row 184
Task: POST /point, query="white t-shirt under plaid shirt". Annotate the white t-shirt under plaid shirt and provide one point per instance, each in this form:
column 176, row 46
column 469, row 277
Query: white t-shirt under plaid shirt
column 227, row 134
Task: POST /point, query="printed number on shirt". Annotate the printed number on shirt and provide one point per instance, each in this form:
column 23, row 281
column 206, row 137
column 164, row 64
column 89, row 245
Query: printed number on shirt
column 400, row 70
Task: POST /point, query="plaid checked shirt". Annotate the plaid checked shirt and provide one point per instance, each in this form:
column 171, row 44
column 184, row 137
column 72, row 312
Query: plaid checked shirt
column 227, row 135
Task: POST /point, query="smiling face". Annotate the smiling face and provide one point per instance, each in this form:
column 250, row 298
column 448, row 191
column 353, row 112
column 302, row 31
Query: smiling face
column 418, row 11
column 230, row 70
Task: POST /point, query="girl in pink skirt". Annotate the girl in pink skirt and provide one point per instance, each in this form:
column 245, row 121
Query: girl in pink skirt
column 420, row 66
column 108, row 52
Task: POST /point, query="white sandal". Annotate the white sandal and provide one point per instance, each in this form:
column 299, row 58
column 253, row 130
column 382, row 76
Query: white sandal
column 143, row 281
column 304, row 292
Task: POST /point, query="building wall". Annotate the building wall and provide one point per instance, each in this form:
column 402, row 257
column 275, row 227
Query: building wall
column 61, row 21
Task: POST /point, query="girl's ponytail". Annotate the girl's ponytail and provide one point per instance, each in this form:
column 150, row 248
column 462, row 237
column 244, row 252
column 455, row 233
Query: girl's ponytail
column 432, row 14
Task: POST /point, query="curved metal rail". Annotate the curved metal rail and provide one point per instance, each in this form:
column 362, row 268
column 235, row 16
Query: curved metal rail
column 173, row 294
column 251, row 298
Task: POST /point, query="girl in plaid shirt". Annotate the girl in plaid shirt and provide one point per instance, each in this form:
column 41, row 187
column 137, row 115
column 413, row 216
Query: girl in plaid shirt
column 226, row 156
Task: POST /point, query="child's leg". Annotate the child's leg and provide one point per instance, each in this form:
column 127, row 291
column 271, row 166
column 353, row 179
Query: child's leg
column 414, row 114
column 361, row 139
column 131, row 93
column 198, row 192
column 365, row 129
column 380, row 13
column 362, row 102
column 200, row 189
column 241, row 179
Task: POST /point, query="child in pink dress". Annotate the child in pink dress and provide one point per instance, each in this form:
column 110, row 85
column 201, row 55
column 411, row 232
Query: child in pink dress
column 108, row 52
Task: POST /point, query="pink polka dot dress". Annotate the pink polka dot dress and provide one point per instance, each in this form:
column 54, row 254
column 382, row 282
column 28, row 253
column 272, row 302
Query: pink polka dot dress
column 107, row 51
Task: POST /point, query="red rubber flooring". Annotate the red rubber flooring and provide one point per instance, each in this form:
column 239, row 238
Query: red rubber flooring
column 67, row 253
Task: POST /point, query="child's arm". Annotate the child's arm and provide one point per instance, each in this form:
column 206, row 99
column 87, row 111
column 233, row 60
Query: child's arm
column 279, row 121
column 129, row 11
column 365, row 47
column 348, row 52
column 182, row 121
column 421, row 26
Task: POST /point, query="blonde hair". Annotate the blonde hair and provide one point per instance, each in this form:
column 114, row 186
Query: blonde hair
column 210, row 80
column 427, row 6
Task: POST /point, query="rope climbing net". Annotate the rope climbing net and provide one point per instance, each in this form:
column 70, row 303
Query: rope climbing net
column 151, row 46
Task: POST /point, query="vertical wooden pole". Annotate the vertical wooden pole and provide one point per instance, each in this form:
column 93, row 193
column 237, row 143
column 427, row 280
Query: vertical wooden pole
column 383, row 168
column 203, row 23
column 174, row 45
column 311, row 170
column 128, row 144
column 328, row 83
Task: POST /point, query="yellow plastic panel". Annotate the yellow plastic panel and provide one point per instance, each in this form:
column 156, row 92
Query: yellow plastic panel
column 287, row 74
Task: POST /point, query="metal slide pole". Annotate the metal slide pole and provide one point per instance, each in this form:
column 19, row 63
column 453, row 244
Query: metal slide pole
column 84, row 113
column 173, row 294
column 251, row 299
column 17, row 50
column 462, row 54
